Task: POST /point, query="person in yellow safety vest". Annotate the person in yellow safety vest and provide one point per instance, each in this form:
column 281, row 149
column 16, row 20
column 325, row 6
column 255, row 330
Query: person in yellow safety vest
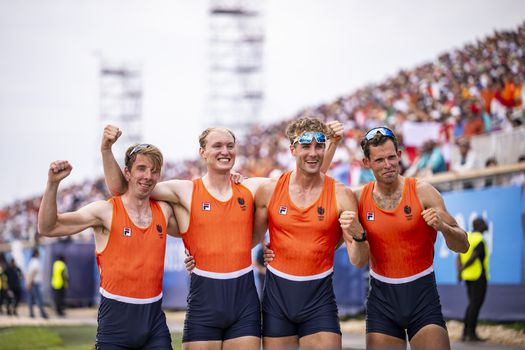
column 3, row 282
column 59, row 282
column 473, row 268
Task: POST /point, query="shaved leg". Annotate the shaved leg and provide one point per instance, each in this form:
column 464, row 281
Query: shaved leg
column 321, row 341
column 380, row 341
column 431, row 337
column 281, row 343
column 203, row 345
column 242, row 343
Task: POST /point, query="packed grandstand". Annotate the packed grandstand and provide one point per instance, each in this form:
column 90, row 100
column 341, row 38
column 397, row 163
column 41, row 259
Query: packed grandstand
column 465, row 93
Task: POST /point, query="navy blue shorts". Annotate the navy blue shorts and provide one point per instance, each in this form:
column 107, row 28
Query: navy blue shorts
column 221, row 309
column 401, row 309
column 298, row 307
column 131, row 326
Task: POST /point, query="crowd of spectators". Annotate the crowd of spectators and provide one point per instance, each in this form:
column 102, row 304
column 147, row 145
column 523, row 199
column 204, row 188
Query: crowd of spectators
column 469, row 91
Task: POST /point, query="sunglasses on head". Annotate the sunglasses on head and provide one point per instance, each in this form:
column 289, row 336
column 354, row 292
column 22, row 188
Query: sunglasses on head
column 138, row 148
column 382, row 130
column 307, row 138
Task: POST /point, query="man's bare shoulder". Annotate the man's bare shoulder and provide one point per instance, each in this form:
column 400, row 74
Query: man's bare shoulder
column 254, row 183
column 265, row 191
column 268, row 185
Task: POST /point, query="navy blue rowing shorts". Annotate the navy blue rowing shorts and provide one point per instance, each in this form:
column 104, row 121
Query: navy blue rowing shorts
column 221, row 309
column 401, row 309
column 131, row 326
column 298, row 307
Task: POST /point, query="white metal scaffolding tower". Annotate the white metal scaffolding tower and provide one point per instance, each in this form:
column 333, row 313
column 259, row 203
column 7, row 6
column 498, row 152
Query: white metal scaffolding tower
column 236, row 63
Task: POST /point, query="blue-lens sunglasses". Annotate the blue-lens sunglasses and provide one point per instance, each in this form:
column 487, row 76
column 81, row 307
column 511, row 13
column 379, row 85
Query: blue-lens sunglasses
column 307, row 138
column 382, row 130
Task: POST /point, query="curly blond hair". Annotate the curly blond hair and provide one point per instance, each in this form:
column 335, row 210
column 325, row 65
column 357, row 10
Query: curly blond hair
column 305, row 124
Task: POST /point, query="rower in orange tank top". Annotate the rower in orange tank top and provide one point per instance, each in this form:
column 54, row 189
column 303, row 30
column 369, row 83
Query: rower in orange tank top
column 303, row 239
column 219, row 235
column 400, row 249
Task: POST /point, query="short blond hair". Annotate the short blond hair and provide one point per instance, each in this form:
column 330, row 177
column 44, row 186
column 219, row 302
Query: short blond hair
column 205, row 133
column 305, row 124
column 150, row 151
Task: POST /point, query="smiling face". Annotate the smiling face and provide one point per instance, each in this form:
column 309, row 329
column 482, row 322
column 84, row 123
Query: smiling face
column 143, row 176
column 384, row 162
column 308, row 157
column 219, row 150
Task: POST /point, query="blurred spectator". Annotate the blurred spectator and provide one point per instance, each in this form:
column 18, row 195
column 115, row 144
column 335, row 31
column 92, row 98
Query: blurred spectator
column 519, row 179
column 467, row 160
column 34, row 284
column 473, row 267
column 60, row 283
column 3, row 282
column 431, row 160
column 14, row 287
column 473, row 123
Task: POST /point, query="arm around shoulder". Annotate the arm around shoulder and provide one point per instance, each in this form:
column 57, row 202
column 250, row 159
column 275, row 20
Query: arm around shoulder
column 260, row 222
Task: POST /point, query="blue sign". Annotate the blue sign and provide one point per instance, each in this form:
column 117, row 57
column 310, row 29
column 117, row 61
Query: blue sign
column 502, row 209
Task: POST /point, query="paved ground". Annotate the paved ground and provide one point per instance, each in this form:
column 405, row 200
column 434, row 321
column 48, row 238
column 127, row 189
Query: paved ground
column 353, row 331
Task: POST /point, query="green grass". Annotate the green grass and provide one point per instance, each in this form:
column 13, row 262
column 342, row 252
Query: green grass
column 56, row 338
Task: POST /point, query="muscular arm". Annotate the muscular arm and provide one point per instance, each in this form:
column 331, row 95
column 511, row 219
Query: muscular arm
column 52, row 224
column 115, row 180
column 437, row 216
column 336, row 132
column 358, row 252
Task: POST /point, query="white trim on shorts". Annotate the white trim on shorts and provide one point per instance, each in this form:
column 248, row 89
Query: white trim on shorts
column 129, row 300
column 300, row 278
column 390, row 280
column 221, row 275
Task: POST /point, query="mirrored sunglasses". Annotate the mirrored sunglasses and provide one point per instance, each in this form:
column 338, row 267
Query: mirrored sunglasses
column 307, row 138
column 382, row 130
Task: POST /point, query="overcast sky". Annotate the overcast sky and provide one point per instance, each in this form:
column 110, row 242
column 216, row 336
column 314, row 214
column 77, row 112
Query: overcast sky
column 315, row 51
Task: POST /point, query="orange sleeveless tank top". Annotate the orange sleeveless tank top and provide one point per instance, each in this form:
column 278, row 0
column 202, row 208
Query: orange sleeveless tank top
column 401, row 243
column 303, row 239
column 219, row 235
column 132, row 263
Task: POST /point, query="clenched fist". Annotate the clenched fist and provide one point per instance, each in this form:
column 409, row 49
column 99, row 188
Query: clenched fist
column 109, row 137
column 432, row 218
column 350, row 224
column 336, row 130
column 58, row 170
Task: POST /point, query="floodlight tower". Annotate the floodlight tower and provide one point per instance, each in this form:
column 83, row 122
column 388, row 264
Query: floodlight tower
column 236, row 44
column 121, row 103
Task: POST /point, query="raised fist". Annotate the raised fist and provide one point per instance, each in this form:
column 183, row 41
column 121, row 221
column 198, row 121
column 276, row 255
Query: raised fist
column 58, row 170
column 109, row 137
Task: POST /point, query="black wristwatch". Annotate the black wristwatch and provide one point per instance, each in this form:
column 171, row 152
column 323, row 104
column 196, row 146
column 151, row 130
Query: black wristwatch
column 362, row 239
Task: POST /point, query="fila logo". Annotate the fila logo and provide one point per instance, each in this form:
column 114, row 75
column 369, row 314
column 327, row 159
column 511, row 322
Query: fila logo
column 283, row 210
column 127, row 231
column 370, row 216
column 206, row 206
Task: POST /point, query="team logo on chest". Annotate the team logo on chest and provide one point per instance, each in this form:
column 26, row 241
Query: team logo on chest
column 370, row 216
column 242, row 203
column 127, row 231
column 283, row 210
column 408, row 212
column 206, row 206
column 320, row 213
